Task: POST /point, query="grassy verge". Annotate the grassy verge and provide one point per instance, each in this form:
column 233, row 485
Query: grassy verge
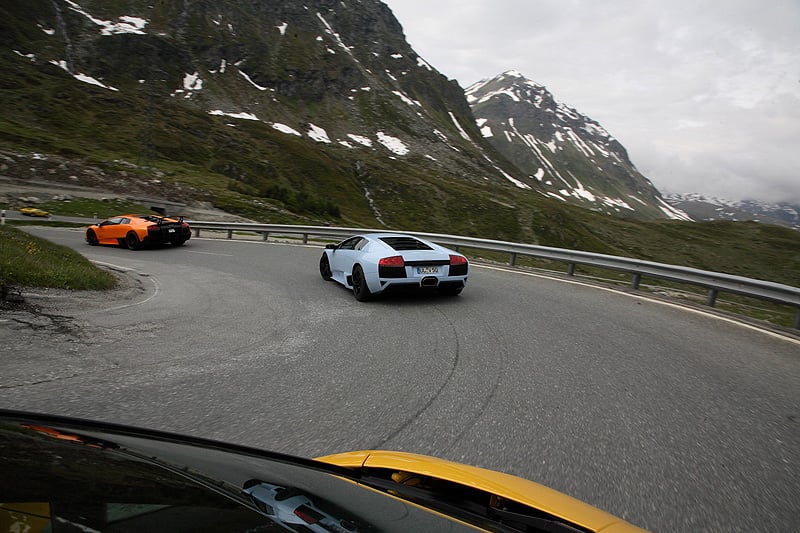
column 29, row 261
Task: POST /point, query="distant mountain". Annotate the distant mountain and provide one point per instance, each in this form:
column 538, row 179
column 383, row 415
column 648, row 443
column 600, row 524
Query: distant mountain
column 703, row 208
column 569, row 155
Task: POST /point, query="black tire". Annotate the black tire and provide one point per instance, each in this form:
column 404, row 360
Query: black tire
column 132, row 240
column 360, row 289
column 91, row 238
column 325, row 268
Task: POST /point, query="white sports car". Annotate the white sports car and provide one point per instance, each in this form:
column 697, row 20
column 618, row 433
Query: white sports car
column 378, row 262
column 291, row 508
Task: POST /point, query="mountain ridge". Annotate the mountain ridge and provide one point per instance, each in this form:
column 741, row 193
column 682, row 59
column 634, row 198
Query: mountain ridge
column 704, row 208
column 571, row 155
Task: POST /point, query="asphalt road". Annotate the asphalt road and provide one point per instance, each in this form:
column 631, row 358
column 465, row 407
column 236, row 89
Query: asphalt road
column 672, row 419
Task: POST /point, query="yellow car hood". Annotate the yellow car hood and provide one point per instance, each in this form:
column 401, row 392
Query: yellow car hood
column 504, row 485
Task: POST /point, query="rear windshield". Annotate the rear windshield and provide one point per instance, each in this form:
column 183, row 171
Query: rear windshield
column 405, row 243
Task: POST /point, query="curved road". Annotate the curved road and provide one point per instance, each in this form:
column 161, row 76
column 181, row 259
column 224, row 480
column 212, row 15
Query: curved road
column 673, row 419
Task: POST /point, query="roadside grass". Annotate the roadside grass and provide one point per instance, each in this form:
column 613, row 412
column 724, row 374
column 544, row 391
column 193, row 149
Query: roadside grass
column 29, row 261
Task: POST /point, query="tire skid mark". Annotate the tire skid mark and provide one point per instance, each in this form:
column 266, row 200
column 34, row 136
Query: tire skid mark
column 454, row 365
column 473, row 418
column 499, row 364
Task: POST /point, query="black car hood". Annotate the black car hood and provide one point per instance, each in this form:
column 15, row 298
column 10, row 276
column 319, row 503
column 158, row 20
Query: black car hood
column 77, row 475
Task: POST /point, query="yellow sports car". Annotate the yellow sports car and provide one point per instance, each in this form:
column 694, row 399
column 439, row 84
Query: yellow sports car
column 34, row 212
column 94, row 476
column 135, row 231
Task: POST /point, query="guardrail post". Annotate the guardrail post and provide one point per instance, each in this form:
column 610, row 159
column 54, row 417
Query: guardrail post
column 797, row 319
column 570, row 269
column 637, row 280
column 305, row 238
column 512, row 260
column 264, row 235
column 196, row 232
column 230, row 234
column 712, row 297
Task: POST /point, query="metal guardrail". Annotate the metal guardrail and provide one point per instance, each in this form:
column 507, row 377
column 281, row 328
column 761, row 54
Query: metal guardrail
column 714, row 282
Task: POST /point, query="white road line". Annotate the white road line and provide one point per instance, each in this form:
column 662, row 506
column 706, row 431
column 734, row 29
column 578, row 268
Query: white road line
column 209, row 253
column 646, row 299
column 156, row 286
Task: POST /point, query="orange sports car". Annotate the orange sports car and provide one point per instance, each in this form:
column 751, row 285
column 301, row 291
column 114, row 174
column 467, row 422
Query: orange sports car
column 135, row 231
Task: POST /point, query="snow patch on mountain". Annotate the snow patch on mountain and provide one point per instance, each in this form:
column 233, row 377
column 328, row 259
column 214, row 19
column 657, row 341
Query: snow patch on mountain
column 83, row 77
column 124, row 24
column 360, row 139
column 251, row 82
column 318, row 134
column 283, row 128
column 393, row 144
column 241, row 116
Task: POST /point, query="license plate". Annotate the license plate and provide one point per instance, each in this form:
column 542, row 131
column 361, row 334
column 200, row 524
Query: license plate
column 171, row 230
column 428, row 270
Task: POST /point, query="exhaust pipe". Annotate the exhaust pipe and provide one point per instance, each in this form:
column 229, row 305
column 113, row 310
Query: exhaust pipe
column 430, row 281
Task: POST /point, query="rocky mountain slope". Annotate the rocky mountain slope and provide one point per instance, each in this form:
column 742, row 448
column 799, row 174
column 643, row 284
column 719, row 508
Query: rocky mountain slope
column 571, row 156
column 279, row 111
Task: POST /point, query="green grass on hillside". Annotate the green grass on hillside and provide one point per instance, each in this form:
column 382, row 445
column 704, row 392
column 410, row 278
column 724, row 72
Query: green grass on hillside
column 29, row 261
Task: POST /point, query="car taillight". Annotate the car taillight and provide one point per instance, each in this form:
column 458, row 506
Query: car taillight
column 394, row 261
column 308, row 515
column 457, row 260
column 152, row 227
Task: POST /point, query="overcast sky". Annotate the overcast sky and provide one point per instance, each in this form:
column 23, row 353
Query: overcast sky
column 705, row 95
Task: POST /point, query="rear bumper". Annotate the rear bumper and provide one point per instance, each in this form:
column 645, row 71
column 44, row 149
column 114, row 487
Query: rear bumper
column 430, row 283
column 164, row 236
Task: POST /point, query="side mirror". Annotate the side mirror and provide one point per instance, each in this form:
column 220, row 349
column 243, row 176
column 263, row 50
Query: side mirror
column 330, row 246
